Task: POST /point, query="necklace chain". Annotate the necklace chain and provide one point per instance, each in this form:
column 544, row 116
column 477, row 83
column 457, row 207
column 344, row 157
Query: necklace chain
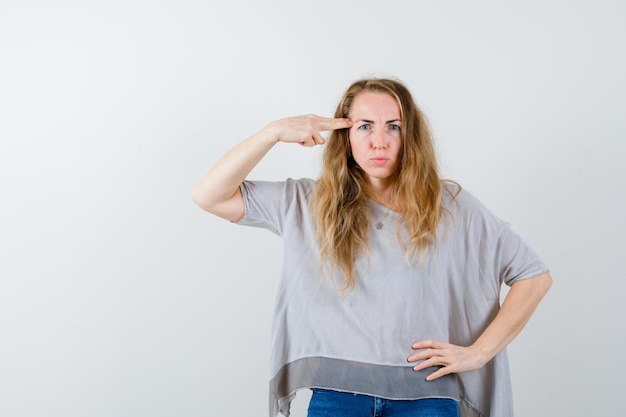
column 379, row 222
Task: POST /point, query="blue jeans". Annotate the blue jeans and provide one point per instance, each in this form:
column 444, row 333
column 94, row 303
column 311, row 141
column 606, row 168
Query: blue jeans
column 327, row 403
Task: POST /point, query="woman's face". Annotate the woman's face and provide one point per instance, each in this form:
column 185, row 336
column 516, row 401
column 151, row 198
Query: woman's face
column 375, row 137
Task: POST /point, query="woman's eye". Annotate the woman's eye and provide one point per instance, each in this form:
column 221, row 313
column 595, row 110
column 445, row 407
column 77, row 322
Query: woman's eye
column 394, row 127
column 364, row 127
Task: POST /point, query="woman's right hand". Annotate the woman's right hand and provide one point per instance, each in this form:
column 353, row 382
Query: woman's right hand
column 305, row 130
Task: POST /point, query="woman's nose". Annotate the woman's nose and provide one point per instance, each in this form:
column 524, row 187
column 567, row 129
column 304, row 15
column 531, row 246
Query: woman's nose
column 378, row 139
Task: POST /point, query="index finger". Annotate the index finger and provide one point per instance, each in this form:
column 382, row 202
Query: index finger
column 335, row 124
column 426, row 344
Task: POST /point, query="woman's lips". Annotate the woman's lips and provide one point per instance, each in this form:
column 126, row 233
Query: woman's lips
column 379, row 160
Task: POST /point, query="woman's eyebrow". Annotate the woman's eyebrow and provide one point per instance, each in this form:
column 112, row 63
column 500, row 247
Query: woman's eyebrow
column 371, row 121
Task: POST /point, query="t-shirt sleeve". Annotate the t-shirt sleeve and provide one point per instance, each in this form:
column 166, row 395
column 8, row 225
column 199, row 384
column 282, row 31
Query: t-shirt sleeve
column 517, row 260
column 500, row 249
column 269, row 204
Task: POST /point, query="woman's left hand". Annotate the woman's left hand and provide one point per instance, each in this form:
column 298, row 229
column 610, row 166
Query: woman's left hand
column 517, row 308
column 450, row 358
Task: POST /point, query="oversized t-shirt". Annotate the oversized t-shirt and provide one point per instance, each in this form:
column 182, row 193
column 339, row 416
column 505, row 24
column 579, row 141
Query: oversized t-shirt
column 359, row 342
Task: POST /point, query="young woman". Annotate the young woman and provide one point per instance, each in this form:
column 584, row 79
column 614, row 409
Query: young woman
column 389, row 300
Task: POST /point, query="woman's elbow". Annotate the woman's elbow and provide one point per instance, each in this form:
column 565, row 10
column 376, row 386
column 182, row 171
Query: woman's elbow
column 198, row 198
column 542, row 283
column 231, row 208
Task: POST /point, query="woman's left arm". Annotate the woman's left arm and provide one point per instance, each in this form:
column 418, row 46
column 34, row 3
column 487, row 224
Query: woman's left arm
column 517, row 308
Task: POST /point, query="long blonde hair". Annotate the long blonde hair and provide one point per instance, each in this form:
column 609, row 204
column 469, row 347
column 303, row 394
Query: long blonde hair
column 341, row 198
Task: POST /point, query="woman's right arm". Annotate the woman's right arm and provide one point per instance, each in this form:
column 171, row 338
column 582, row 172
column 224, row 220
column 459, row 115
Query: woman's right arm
column 218, row 191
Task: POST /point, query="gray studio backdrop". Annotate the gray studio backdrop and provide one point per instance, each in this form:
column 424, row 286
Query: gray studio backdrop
column 119, row 297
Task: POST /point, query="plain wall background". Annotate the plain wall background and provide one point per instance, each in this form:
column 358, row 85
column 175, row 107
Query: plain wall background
column 119, row 297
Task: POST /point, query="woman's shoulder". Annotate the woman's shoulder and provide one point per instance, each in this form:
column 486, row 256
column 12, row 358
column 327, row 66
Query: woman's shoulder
column 460, row 201
column 450, row 190
column 301, row 182
column 299, row 186
column 289, row 182
column 289, row 187
column 454, row 196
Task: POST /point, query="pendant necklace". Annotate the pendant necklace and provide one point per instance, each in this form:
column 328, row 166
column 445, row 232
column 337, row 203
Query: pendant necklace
column 379, row 222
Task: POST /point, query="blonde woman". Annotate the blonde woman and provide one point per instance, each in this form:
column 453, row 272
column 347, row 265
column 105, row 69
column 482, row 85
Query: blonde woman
column 389, row 299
